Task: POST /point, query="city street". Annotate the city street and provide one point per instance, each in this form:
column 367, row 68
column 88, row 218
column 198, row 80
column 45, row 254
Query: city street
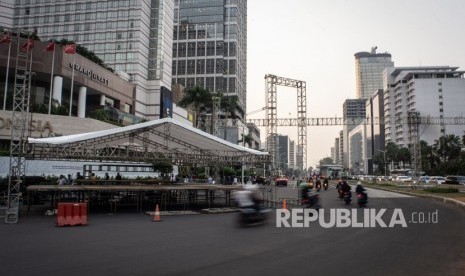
column 131, row 244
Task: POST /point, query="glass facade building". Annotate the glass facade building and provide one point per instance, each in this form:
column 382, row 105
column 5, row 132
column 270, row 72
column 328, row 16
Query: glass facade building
column 369, row 69
column 210, row 46
column 134, row 37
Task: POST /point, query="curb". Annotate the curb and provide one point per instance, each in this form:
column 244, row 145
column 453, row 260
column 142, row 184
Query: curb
column 218, row 210
column 173, row 213
column 437, row 198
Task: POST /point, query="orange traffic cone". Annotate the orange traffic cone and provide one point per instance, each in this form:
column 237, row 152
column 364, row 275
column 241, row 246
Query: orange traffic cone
column 156, row 216
column 284, row 204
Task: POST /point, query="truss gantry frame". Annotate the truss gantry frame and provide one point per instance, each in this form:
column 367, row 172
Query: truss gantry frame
column 271, row 84
column 19, row 119
column 414, row 137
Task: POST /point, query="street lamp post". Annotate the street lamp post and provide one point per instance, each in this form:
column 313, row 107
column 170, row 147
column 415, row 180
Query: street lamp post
column 385, row 164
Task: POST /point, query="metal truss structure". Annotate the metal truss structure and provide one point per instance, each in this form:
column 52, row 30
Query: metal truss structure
column 415, row 150
column 215, row 115
column 272, row 83
column 21, row 93
column 164, row 143
column 337, row 121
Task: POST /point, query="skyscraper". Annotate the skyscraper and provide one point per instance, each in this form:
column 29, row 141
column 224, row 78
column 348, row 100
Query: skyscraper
column 132, row 37
column 369, row 69
column 210, row 46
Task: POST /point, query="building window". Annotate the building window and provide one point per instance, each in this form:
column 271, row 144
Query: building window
column 200, row 66
column 210, row 66
column 200, row 49
column 191, row 67
column 181, row 67
column 200, row 82
column 191, row 49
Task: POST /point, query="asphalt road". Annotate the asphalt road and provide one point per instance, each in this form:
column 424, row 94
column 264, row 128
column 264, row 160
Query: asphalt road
column 130, row 244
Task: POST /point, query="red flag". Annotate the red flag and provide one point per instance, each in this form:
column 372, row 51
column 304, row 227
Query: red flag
column 50, row 46
column 28, row 45
column 6, row 39
column 70, row 49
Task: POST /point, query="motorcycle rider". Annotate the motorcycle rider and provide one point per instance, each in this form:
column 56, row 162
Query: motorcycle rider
column 345, row 187
column 325, row 183
column 248, row 198
column 360, row 190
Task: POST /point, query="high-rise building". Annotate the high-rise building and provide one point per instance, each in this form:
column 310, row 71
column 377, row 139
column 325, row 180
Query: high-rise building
column 357, row 149
column 283, row 152
column 353, row 109
column 435, row 91
column 292, row 154
column 210, row 46
column 132, row 37
column 369, row 67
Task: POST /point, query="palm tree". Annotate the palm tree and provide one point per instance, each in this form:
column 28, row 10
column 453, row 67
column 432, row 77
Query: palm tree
column 230, row 106
column 427, row 161
column 247, row 139
column 447, row 147
column 404, row 156
column 200, row 99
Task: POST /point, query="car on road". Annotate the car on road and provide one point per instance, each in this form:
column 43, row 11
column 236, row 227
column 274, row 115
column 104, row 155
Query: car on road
column 455, row 179
column 382, row 178
column 424, row 179
column 281, row 181
column 404, row 178
column 437, row 180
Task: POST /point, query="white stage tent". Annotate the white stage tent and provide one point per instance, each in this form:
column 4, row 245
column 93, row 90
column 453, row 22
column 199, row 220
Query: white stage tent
column 163, row 139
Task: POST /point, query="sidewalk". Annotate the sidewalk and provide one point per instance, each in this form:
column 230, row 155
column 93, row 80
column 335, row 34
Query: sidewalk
column 451, row 198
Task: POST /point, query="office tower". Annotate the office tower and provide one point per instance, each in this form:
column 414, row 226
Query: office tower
column 369, row 69
column 210, row 46
column 353, row 109
column 132, row 37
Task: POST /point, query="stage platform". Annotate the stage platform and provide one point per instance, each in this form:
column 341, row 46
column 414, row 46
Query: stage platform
column 142, row 196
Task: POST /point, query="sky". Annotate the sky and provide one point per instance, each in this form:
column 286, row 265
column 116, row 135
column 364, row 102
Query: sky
column 315, row 41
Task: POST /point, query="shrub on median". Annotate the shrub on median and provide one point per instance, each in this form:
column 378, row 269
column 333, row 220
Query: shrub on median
column 442, row 190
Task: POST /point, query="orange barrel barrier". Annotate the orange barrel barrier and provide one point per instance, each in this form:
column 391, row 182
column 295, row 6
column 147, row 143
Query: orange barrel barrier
column 61, row 214
column 83, row 213
column 71, row 214
column 69, row 217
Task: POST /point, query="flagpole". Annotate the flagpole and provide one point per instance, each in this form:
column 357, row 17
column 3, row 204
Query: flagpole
column 72, row 84
column 51, row 82
column 6, row 79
